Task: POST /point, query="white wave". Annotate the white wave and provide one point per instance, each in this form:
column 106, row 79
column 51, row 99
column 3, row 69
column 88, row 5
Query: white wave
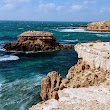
column 72, row 30
column 2, row 49
column 103, row 35
column 8, row 58
column 71, row 40
column 0, row 86
column 79, row 30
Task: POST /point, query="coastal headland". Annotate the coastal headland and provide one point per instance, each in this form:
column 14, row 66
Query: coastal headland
column 103, row 26
column 75, row 91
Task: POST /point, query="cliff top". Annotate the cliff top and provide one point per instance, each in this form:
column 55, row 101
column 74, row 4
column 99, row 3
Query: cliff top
column 36, row 34
column 100, row 48
column 101, row 23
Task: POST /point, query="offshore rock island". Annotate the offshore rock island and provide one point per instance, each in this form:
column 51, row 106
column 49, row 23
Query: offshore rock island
column 74, row 92
column 35, row 41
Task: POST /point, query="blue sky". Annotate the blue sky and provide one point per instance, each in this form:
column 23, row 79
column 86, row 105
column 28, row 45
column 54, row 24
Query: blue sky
column 55, row 10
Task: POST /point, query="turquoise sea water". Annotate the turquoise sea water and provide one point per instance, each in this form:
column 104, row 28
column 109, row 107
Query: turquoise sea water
column 20, row 75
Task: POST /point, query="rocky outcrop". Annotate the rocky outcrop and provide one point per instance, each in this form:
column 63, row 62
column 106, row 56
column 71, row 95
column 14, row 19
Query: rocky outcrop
column 103, row 26
column 92, row 69
column 35, row 41
column 50, row 86
column 92, row 98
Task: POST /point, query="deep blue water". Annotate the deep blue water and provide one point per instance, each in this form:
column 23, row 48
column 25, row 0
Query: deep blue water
column 20, row 75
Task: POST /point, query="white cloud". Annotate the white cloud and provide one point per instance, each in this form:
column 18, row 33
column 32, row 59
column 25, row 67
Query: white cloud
column 53, row 10
column 48, row 6
column 76, row 7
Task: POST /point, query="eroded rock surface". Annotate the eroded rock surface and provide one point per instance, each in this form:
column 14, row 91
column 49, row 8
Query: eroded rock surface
column 103, row 26
column 35, row 41
column 50, row 86
column 96, row 54
column 92, row 98
column 92, row 69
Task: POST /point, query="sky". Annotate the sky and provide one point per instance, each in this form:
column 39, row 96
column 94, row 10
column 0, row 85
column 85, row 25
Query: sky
column 55, row 10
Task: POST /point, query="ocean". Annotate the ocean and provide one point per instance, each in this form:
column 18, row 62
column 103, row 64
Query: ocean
column 21, row 75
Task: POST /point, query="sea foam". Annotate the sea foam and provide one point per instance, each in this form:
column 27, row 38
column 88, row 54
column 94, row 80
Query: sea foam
column 80, row 30
column 8, row 58
column 72, row 30
column 76, row 40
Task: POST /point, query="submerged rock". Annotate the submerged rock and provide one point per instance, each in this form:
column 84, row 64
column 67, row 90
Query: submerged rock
column 35, row 41
column 103, row 26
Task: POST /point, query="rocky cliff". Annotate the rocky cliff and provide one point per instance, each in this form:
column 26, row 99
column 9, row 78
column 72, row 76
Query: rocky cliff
column 92, row 69
column 103, row 26
column 95, row 54
column 34, row 41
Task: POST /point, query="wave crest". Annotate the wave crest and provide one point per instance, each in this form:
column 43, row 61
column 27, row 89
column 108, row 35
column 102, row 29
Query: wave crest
column 8, row 58
column 72, row 30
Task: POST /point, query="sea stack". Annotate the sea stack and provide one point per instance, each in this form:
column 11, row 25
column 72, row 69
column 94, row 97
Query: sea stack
column 35, row 41
column 103, row 26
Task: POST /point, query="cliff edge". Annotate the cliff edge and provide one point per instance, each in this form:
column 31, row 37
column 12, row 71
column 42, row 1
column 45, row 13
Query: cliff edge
column 92, row 69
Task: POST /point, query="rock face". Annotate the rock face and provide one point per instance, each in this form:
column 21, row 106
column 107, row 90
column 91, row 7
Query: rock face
column 96, row 54
column 35, row 41
column 103, row 26
column 92, row 98
column 92, row 69
column 50, row 86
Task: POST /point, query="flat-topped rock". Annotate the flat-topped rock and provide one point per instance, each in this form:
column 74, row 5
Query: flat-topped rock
column 103, row 26
column 36, row 34
column 35, row 41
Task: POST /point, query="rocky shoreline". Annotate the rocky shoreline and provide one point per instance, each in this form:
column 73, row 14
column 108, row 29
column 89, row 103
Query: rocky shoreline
column 92, row 69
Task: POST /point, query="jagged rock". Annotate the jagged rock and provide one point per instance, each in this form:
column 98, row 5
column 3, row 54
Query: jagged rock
column 103, row 26
column 50, row 86
column 35, row 41
column 92, row 69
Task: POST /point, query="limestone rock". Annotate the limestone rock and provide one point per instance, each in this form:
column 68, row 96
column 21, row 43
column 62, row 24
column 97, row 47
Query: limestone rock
column 50, row 86
column 92, row 98
column 103, row 26
column 92, row 69
column 96, row 54
column 35, row 41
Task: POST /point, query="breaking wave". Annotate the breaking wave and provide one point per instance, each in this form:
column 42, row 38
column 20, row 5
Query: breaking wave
column 80, row 30
column 8, row 58
column 71, row 40
column 103, row 35
column 72, row 30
